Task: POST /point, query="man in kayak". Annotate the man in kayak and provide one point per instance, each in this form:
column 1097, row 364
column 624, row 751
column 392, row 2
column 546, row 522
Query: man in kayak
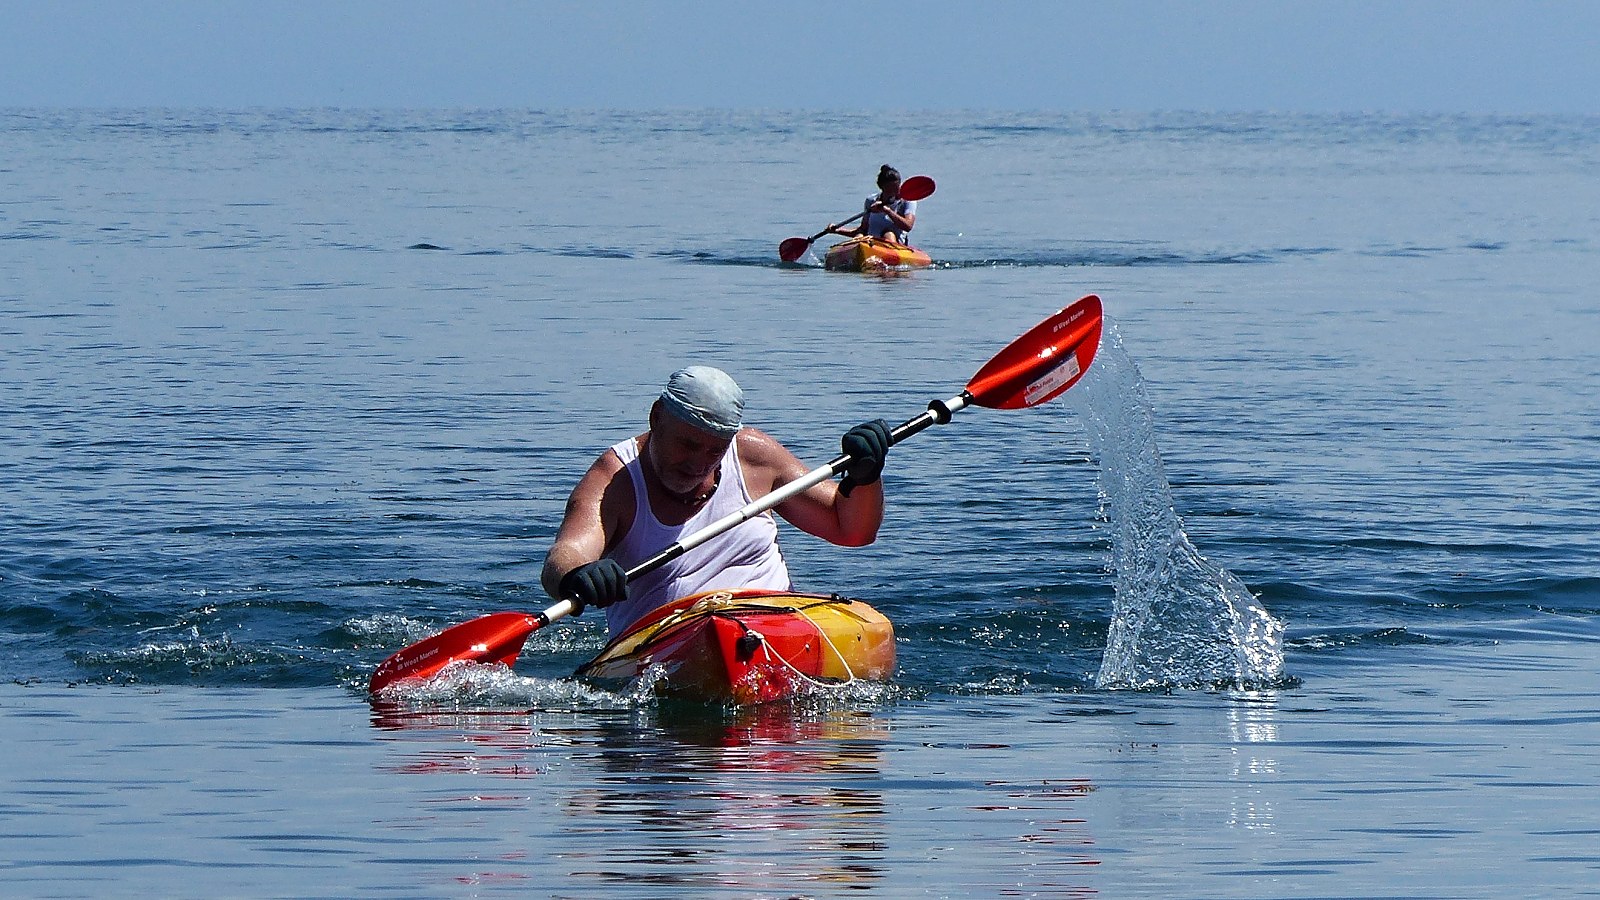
column 888, row 216
column 696, row 464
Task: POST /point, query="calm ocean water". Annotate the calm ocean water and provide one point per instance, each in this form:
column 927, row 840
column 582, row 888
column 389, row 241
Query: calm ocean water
column 283, row 391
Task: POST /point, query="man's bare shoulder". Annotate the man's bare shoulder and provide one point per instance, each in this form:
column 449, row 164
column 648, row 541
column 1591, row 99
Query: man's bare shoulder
column 761, row 452
column 607, row 491
column 756, row 446
column 602, row 472
column 607, row 463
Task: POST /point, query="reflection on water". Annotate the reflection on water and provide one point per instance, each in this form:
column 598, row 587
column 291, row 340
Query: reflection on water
column 759, row 799
column 1252, row 717
column 778, row 800
column 1253, row 732
column 760, row 803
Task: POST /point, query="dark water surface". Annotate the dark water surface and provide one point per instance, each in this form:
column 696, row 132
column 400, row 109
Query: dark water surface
column 281, row 392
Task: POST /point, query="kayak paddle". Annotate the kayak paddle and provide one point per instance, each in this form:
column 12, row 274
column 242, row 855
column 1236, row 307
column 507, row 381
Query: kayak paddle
column 917, row 187
column 1033, row 369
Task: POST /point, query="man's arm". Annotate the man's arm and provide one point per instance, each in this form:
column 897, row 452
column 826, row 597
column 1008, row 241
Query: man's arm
column 822, row 510
column 591, row 521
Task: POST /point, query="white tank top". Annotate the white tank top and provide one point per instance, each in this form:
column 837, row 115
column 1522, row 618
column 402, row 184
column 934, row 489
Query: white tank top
column 879, row 224
column 745, row 556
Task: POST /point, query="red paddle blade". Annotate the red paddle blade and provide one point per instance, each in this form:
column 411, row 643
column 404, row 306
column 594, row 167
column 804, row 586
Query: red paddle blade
column 916, row 187
column 494, row 638
column 1043, row 363
column 792, row 249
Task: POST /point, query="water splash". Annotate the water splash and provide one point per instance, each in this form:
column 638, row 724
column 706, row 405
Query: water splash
column 1177, row 619
column 469, row 685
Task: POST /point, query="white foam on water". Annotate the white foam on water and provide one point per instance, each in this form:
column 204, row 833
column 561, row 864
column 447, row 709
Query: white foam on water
column 493, row 686
column 1177, row 619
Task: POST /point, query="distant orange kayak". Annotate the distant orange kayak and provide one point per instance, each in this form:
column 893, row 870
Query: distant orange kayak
column 745, row 647
column 864, row 254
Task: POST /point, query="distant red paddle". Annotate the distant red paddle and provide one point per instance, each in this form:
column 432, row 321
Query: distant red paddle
column 917, row 187
column 1033, row 369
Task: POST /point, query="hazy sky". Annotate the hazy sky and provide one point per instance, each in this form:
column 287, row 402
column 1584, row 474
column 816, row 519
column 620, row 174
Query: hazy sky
column 1515, row 56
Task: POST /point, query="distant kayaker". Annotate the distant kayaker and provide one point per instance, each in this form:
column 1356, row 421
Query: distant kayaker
column 696, row 464
column 888, row 216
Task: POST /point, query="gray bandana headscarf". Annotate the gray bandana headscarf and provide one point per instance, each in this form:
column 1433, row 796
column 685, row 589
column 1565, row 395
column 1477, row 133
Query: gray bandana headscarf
column 706, row 398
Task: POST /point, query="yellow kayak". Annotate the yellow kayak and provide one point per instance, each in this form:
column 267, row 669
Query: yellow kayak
column 865, row 254
column 745, row 647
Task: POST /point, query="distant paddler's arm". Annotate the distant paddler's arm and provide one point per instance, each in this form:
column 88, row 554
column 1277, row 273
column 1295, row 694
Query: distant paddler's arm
column 901, row 223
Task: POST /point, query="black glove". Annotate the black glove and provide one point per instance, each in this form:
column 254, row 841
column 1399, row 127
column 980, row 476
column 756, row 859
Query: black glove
column 866, row 444
column 600, row 583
